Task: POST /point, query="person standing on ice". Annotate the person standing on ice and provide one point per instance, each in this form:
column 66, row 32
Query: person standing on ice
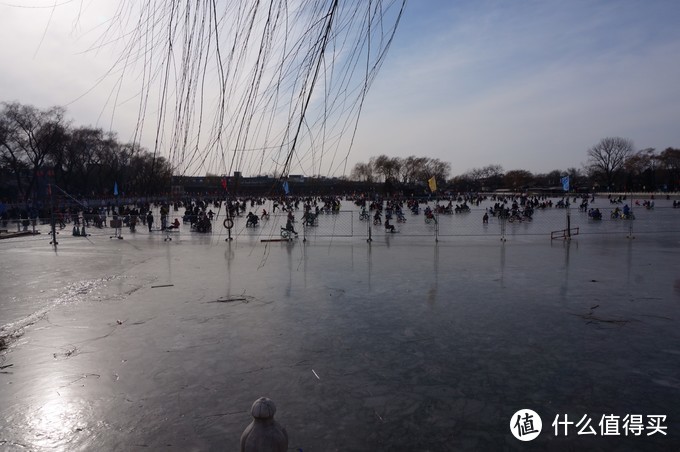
column 149, row 220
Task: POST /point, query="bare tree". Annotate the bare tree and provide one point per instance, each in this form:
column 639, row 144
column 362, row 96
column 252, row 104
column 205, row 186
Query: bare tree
column 641, row 161
column 576, row 178
column 669, row 161
column 362, row 172
column 488, row 172
column 77, row 163
column 385, row 167
column 436, row 168
column 411, row 169
column 641, row 169
column 550, row 179
column 27, row 136
column 490, row 176
column 608, row 157
column 518, row 179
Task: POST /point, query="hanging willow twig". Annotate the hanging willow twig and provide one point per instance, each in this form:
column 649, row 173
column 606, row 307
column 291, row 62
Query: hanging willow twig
column 261, row 87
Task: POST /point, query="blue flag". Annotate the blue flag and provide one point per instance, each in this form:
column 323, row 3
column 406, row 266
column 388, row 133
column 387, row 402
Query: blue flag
column 285, row 186
column 565, row 183
column 115, row 189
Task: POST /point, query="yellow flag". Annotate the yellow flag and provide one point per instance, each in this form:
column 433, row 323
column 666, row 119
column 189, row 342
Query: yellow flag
column 432, row 182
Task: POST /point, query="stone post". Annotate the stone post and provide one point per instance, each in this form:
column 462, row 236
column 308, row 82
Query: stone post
column 264, row 434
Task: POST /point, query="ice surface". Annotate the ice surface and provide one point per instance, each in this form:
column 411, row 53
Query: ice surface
column 399, row 344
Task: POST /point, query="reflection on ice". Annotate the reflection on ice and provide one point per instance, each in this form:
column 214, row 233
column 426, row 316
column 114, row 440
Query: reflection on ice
column 55, row 422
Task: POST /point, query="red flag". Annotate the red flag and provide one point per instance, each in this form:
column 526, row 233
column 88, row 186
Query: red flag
column 224, row 183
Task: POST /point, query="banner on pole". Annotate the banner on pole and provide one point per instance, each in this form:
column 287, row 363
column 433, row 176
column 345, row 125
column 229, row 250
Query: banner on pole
column 565, row 183
column 432, row 182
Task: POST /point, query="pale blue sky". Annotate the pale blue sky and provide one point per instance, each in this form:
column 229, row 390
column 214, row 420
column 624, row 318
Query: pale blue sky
column 525, row 84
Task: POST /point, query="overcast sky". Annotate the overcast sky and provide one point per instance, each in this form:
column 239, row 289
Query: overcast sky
column 524, row 84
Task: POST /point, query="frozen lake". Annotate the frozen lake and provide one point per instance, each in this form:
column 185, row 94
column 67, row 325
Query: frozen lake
column 400, row 344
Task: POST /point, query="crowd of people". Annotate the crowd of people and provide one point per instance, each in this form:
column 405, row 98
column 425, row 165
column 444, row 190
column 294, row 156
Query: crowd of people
column 200, row 213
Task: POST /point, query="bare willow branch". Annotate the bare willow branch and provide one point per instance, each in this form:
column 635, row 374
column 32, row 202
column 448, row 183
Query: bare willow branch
column 260, row 87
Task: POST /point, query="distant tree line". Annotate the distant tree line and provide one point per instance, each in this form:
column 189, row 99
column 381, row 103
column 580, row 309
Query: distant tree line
column 38, row 147
column 409, row 170
column 612, row 165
